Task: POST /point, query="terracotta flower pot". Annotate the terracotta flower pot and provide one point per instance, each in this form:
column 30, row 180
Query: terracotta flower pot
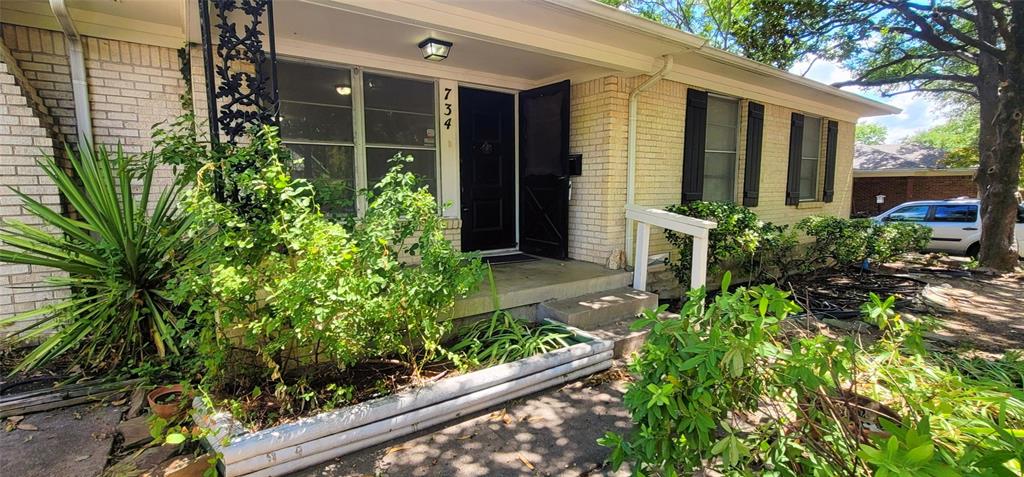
column 168, row 409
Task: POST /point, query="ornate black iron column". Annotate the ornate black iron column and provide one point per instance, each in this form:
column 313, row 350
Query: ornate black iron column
column 242, row 77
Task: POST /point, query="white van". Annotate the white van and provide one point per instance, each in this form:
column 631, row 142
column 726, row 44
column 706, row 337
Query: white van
column 955, row 223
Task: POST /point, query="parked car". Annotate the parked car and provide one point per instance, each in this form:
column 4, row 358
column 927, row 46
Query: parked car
column 955, row 223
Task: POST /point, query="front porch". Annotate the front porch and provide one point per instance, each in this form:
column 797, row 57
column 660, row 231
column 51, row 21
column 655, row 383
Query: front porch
column 529, row 283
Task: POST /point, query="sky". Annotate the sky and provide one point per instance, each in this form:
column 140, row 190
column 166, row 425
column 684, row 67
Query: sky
column 919, row 112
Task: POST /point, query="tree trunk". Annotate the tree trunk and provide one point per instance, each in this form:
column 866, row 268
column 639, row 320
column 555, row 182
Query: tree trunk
column 1000, row 150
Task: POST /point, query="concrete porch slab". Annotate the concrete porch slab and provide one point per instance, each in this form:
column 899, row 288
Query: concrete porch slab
column 529, row 283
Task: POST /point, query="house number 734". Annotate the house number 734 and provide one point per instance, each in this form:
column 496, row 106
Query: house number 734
column 447, row 109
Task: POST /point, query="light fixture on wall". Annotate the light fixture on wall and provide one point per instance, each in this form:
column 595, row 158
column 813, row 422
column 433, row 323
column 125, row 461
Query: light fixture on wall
column 343, row 89
column 434, row 49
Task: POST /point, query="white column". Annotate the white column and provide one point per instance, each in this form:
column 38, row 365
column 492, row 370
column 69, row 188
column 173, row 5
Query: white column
column 699, row 263
column 643, row 244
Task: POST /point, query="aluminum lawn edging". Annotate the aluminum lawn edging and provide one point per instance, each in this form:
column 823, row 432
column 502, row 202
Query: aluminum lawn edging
column 308, row 441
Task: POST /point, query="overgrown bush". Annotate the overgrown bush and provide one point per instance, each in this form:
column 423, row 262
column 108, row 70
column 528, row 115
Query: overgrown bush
column 722, row 388
column 764, row 252
column 741, row 242
column 840, row 242
column 120, row 257
column 288, row 287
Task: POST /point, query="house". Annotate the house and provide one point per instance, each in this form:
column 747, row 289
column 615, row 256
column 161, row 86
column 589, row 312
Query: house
column 888, row 175
column 541, row 123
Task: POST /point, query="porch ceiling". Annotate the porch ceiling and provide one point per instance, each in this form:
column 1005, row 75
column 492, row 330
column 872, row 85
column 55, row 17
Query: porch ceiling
column 356, row 34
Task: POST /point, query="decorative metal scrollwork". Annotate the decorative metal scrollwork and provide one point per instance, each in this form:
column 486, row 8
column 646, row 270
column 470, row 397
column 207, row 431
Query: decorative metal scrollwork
column 241, row 81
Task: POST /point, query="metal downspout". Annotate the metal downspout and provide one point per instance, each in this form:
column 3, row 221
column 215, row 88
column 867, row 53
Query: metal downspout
column 76, row 62
column 634, row 98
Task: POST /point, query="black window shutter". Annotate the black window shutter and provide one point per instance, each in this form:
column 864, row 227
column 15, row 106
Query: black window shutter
column 752, row 161
column 693, row 144
column 832, row 131
column 796, row 138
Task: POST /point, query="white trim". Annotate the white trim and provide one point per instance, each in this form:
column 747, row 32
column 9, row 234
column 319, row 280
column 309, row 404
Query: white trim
column 371, row 61
column 359, row 136
column 94, row 24
column 452, row 18
column 449, row 181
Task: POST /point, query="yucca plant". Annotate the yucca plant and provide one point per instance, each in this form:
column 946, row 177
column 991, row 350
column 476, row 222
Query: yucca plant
column 120, row 254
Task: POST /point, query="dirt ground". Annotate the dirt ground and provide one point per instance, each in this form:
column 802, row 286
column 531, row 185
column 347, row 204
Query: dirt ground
column 976, row 309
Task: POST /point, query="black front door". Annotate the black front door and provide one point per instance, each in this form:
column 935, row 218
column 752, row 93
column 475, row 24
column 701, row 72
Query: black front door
column 487, row 163
column 544, row 171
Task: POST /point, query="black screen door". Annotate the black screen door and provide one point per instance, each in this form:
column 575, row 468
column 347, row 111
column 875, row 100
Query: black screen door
column 487, row 169
column 544, row 171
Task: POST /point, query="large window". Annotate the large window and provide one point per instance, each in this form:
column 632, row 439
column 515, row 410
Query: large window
column 319, row 117
column 810, row 157
column 720, row 149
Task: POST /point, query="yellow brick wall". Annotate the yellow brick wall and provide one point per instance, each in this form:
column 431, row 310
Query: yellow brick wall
column 131, row 87
column 599, row 129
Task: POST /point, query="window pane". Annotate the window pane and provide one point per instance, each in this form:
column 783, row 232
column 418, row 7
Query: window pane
column 317, row 84
column 956, row 213
column 310, row 122
column 423, row 165
column 812, row 137
column 719, row 176
column 399, row 111
column 331, row 170
column 808, row 179
column 720, row 138
column 723, row 111
column 912, row 213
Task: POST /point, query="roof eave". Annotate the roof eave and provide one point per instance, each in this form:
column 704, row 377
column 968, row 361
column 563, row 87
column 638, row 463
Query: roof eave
column 698, row 44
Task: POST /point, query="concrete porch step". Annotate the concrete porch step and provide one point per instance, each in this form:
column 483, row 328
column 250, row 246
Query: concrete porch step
column 594, row 310
column 626, row 341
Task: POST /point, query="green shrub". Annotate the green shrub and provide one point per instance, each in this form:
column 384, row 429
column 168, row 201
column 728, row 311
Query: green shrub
column 840, row 242
column 296, row 288
column 692, row 371
column 722, row 388
column 741, row 243
column 893, row 239
column 121, row 256
column 504, row 338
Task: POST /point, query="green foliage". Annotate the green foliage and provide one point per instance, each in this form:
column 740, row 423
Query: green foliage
column 741, row 242
column 504, row 338
column 769, row 31
column 121, row 257
column 692, row 371
column 840, row 242
column 823, row 407
column 957, row 137
column 871, row 133
column 295, row 288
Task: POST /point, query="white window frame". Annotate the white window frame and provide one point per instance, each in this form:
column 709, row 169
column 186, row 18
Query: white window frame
column 359, row 126
column 736, row 153
column 816, row 187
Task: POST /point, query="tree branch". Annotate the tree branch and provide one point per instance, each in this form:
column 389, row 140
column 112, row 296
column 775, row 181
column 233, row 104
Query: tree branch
column 966, row 39
column 967, row 92
column 871, row 82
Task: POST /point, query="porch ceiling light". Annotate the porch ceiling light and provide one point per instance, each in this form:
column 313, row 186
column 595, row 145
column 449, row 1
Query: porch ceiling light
column 434, row 49
column 343, row 89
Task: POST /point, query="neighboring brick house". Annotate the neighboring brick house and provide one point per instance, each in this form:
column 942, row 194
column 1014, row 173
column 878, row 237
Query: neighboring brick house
column 902, row 173
column 537, row 83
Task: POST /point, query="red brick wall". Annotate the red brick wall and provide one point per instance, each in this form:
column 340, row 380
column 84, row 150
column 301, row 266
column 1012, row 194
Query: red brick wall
column 898, row 190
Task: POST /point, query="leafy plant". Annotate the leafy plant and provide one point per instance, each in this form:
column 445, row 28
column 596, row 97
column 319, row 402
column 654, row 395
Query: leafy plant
column 840, row 242
column 120, row 258
column 284, row 288
column 504, row 338
column 692, row 371
column 823, row 407
column 741, row 243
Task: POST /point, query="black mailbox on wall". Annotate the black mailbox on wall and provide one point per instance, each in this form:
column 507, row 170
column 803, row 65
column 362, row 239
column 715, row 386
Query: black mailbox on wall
column 575, row 164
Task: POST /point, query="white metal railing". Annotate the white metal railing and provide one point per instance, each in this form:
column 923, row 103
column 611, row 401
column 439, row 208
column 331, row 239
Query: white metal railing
column 696, row 228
